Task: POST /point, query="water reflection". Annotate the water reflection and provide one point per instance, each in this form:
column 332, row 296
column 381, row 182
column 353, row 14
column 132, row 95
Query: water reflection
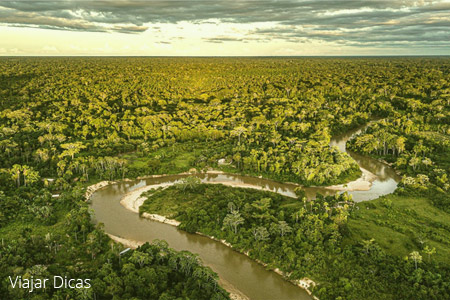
column 243, row 273
column 387, row 180
column 383, row 171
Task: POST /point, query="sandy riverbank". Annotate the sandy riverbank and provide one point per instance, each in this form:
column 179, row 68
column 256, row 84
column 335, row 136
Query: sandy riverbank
column 133, row 200
column 93, row 188
column 235, row 294
column 126, row 242
column 363, row 183
column 191, row 172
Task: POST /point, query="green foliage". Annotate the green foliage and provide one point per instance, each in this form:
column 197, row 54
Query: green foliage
column 89, row 119
column 188, row 183
column 407, row 224
column 73, row 247
column 285, row 136
column 314, row 239
column 419, row 153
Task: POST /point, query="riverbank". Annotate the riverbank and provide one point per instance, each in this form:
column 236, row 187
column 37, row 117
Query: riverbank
column 364, row 183
column 90, row 190
column 235, row 294
column 133, row 200
column 304, row 283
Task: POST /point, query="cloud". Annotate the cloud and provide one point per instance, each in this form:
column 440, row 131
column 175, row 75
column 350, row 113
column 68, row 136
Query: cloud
column 221, row 39
column 347, row 22
column 129, row 29
column 32, row 19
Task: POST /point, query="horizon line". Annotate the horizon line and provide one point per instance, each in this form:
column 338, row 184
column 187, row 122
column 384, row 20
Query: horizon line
column 231, row 56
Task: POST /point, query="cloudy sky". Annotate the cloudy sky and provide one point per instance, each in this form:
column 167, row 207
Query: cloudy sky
column 220, row 28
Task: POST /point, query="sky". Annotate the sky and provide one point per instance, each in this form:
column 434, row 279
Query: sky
column 225, row 28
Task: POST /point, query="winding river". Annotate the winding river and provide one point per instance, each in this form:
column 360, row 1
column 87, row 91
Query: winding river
column 235, row 270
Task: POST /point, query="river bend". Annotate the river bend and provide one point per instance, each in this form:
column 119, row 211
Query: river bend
column 236, row 269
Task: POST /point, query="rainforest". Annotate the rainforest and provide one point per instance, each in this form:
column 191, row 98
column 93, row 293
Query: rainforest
column 226, row 178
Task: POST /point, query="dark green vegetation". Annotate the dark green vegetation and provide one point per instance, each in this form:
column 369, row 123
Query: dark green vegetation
column 311, row 238
column 65, row 243
column 81, row 120
column 415, row 140
column 417, row 143
column 264, row 115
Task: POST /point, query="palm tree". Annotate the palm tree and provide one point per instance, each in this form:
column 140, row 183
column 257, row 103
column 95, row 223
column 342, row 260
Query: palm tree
column 15, row 173
column 367, row 245
column 189, row 183
column 231, row 207
column 238, row 131
column 429, row 251
column 29, row 175
column 415, row 255
column 414, row 161
column 72, row 149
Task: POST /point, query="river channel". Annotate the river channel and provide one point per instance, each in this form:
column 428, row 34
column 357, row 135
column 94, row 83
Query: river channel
column 239, row 271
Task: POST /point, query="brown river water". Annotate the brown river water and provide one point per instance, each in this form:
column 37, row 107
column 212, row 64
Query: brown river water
column 244, row 274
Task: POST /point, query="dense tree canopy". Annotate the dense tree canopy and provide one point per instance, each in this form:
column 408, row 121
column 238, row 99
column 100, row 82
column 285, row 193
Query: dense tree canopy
column 302, row 238
column 69, row 122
